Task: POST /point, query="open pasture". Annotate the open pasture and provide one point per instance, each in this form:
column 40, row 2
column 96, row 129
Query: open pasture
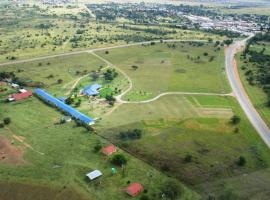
column 59, row 156
column 184, row 66
column 57, row 75
column 174, row 129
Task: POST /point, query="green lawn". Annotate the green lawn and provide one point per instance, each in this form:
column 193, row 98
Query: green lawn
column 162, row 69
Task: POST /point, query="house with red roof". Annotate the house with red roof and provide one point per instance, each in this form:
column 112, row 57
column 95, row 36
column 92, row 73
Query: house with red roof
column 109, row 150
column 134, row 189
column 20, row 96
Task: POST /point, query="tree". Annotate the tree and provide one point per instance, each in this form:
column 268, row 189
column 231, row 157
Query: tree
column 98, row 146
column 188, row 158
column 241, row 161
column 69, row 100
column 7, row 120
column 171, row 189
column 59, row 81
column 228, row 41
column 235, row 120
column 94, row 76
column 134, row 67
column 119, row 159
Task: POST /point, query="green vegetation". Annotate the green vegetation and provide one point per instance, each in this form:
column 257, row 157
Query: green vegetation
column 52, row 167
column 186, row 142
column 253, row 66
column 178, row 67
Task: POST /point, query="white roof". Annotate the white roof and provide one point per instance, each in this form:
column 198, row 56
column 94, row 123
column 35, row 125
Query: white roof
column 22, row 90
column 14, row 85
column 94, row 174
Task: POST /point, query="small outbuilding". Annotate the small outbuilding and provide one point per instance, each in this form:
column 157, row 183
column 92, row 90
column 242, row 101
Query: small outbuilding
column 134, row 189
column 91, row 90
column 109, row 150
column 94, row 174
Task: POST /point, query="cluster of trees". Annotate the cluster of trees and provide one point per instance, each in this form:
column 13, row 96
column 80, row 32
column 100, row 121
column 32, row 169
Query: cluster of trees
column 110, row 74
column 155, row 31
column 7, row 75
column 134, row 134
column 259, row 71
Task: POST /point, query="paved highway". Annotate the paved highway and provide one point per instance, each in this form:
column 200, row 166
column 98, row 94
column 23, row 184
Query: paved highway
column 240, row 93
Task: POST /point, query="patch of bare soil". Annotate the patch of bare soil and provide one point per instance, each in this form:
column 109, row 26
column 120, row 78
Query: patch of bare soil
column 11, row 154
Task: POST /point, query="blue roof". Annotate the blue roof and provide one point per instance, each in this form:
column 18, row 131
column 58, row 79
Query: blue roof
column 91, row 89
column 73, row 112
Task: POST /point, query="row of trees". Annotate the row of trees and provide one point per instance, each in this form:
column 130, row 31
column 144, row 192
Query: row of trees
column 257, row 64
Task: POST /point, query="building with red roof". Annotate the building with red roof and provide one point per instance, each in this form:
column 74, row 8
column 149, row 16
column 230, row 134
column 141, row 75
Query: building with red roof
column 134, row 189
column 109, row 150
column 19, row 96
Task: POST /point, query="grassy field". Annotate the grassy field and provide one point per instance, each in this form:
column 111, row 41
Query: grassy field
column 163, row 68
column 36, row 30
column 248, row 10
column 255, row 93
column 177, row 126
column 49, row 71
column 49, row 164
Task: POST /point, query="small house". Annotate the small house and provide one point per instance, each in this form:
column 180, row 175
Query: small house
column 109, row 150
column 134, row 189
column 20, row 96
column 91, row 90
column 94, row 174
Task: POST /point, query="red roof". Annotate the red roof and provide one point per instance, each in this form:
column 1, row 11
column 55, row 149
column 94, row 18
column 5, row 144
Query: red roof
column 23, row 95
column 134, row 189
column 109, row 150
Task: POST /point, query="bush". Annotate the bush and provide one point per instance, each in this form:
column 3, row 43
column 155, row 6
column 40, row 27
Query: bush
column 188, row 158
column 134, row 134
column 235, row 120
column 171, row 189
column 98, row 146
column 119, row 159
column 7, row 120
column 144, row 197
column 241, row 161
column 2, row 125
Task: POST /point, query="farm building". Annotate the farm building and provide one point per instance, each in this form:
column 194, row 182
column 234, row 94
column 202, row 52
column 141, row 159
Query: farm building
column 91, row 90
column 64, row 107
column 94, row 174
column 109, row 150
column 19, row 96
column 134, row 189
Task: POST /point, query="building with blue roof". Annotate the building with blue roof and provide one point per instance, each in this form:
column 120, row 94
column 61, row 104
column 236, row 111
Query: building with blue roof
column 92, row 90
column 64, row 107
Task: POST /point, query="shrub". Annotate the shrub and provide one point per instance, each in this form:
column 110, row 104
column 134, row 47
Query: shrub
column 2, row 125
column 7, row 120
column 188, row 158
column 171, row 189
column 241, row 161
column 98, row 146
column 119, row 159
column 235, row 119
